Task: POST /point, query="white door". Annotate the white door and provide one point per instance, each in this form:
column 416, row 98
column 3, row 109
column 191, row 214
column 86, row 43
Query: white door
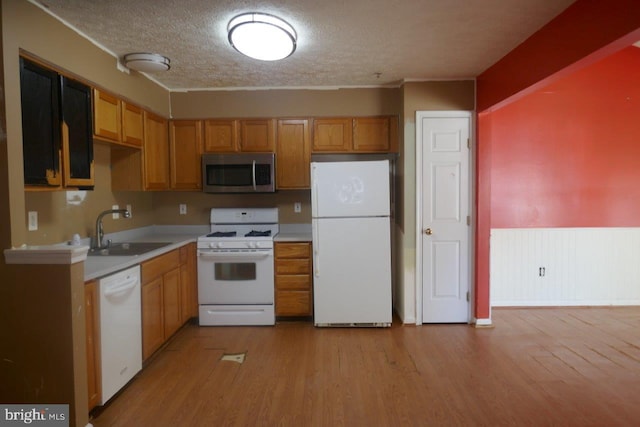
column 445, row 218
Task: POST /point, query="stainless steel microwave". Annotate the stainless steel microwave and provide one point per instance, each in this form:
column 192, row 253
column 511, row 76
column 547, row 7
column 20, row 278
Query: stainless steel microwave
column 238, row 173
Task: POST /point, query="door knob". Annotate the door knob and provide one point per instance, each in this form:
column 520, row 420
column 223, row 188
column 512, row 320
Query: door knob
column 428, row 231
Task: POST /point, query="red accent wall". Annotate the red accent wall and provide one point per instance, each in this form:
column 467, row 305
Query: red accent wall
column 582, row 29
column 586, row 31
column 568, row 154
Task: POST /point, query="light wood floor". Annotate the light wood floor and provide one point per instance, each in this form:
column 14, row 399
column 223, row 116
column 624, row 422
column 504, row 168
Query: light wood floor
column 539, row 367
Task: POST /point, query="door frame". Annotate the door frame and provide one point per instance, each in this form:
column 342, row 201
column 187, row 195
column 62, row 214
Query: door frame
column 472, row 195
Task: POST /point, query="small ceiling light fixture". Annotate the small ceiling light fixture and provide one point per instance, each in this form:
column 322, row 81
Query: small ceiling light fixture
column 262, row 36
column 146, row 62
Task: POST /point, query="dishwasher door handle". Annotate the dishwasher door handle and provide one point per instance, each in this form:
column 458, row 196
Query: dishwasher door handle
column 121, row 287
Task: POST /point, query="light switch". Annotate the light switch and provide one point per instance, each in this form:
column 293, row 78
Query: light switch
column 297, row 207
column 33, row 220
column 183, row 209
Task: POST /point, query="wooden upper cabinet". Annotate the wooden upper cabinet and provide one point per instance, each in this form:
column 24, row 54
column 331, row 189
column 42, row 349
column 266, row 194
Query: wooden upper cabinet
column 156, row 152
column 185, row 145
column 132, row 124
column 106, row 116
column 257, row 135
column 332, row 135
column 293, row 154
column 116, row 121
column 230, row 135
column 355, row 134
column 220, row 136
column 371, row 134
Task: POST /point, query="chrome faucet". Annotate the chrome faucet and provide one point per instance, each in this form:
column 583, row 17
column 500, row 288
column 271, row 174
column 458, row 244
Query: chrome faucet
column 100, row 230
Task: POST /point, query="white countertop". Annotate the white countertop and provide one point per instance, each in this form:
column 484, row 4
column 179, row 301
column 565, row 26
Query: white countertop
column 294, row 233
column 100, row 266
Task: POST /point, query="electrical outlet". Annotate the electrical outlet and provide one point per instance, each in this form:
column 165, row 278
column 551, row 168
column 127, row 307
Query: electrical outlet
column 115, row 215
column 33, row 220
column 183, row 209
column 130, row 211
column 297, row 207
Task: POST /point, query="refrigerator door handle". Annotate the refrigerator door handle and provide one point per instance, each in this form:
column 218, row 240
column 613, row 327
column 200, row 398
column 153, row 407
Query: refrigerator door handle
column 314, row 191
column 316, row 251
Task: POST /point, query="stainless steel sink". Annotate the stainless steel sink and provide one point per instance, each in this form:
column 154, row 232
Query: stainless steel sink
column 127, row 248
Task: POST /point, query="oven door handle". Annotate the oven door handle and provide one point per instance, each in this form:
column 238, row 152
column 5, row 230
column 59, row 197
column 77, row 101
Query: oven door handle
column 235, row 256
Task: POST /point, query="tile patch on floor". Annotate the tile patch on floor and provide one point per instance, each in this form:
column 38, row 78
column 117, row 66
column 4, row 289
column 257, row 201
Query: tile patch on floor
column 238, row 357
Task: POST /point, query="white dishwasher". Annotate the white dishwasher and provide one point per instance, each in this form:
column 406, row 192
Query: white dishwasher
column 120, row 330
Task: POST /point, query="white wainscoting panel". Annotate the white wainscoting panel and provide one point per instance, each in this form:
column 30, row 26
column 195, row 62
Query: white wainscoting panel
column 565, row 266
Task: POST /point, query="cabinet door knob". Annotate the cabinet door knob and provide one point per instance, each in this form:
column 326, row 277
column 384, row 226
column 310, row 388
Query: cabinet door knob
column 428, row 231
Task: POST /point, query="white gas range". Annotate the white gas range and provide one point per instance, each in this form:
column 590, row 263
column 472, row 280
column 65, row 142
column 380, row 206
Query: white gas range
column 235, row 267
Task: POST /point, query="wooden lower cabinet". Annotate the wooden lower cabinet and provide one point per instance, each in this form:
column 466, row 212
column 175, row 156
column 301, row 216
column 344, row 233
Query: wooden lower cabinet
column 92, row 319
column 188, row 282
column 152, row 317
column 171, row 301
column 293, row 281
column 166, row 281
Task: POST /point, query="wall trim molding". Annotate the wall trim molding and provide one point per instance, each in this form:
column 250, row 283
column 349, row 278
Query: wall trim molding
column 542, row 267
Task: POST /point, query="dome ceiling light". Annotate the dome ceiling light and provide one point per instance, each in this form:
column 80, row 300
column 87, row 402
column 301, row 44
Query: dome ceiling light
column 262, row 36
column 146, row 62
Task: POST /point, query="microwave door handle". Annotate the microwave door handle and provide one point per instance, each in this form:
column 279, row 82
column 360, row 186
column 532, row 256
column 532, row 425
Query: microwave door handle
column 254, row 176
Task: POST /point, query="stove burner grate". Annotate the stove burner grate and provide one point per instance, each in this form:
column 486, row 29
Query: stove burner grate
column 254, row 233
column 222, row 234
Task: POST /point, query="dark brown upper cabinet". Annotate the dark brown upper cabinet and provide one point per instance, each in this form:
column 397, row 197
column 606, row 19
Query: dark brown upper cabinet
column 77, row 134
column 41, row 124
column 56, row 129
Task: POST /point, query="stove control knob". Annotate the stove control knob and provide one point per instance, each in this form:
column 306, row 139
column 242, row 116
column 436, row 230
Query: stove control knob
column 252, row 245
column 258, row 245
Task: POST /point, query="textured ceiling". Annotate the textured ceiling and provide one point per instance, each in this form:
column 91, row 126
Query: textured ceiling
column 341, row 43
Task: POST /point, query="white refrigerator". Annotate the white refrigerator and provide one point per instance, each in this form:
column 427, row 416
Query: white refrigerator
column 350, row 207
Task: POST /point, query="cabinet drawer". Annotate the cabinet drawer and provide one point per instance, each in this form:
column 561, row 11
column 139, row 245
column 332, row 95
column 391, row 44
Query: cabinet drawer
column 293, row 250
column 293, row 303
column 293, row 266
column 293, row 281
column 160, row 265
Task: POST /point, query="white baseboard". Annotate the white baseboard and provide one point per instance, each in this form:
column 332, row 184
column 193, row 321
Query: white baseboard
column 483, row 323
